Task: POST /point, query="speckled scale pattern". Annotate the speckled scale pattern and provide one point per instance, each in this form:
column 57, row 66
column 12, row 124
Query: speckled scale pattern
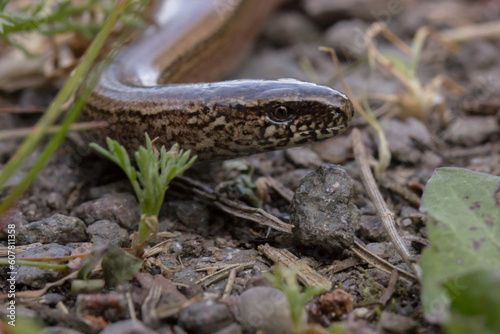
column 215, row 120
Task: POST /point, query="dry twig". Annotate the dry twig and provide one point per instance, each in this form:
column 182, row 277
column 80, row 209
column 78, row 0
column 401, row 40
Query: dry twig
column 234, row 208
column 386, row 216
column 306, row 275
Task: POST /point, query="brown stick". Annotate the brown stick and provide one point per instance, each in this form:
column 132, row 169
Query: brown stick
column 386, row 216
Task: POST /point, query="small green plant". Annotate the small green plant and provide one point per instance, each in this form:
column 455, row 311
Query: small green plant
column 56, row 109
column 150, row 181
column 285, row 279
column 50, row 18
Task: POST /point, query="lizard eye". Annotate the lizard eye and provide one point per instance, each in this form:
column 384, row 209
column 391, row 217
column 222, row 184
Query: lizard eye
column 280, row 113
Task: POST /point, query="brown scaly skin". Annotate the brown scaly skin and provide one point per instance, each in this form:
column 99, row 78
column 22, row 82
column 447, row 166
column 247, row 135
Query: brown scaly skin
column 215, row 120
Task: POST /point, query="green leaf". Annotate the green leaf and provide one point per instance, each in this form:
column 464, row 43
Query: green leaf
column 91, row 260
column 119, row 266
column 476, row 309
column 464, row 232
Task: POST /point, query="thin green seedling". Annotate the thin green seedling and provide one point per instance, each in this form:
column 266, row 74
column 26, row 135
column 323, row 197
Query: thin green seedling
column 49, row 19
column 150, row 180
column 54, row 111
column 37, row 264
column 285, row 279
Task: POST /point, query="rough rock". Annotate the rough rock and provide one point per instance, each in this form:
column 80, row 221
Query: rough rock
column 121, row 208
column 205, row 317
column 395, row 323
column 323, row 211
column 37, row 277
column 334, row 150
column 266, row 309
column 127, row 327
column 104, row 231
column 292, row 178
column 271, row 65
column 290, row 28
column 59, row 330
column 370, row 228
column 55, row 229
column 348, row 39
column 405, row 137
column 193, row 214
column 303, row 157
column 327, row 11
column 473, row 130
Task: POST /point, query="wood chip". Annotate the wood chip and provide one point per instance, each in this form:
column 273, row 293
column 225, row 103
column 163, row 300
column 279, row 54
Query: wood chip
column 306, row 275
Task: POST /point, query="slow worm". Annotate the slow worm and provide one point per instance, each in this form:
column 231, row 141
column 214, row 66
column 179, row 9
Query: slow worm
column 147, row 88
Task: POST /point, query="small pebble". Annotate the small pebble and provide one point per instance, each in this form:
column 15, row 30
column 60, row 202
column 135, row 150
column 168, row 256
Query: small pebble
column 395, row 323
column 104, row 231
column 205, row 317
column 473, row 130
column 127, row 327
column 323, row 211
column 290, row 28
column 121, row 208
column 38, row 277
column 265, row 309
column 405, row 138
column 303, row 157
column 348, row 39
column 55, row 229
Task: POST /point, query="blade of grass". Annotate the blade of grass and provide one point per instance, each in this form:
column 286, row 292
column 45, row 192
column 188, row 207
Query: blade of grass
column 5, row 262
column 24, row 132
column 54, row 111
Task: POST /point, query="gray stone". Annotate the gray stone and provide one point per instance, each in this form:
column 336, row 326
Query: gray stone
column 271, row 65
column 292, row 178
column 334, row 150
column 323, row 211
column 266, row 309
column 121, row 208
column 303, row 157
column 471, row 130
column 205, row 317
column 127, row 327
column 234, row 328
column 327, row 11
column 290, row 28
column 395, row 323
column 104, row 231
column 55, row 229
column 348, row 39
column 371, row 228
column 405, row 138
column 37, row 277
column 58, row 330
column 193, row 214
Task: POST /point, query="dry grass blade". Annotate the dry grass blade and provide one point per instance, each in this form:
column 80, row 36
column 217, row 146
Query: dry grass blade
column 41, row 292
column 16, row 109
column 234, row 208
column 383, row 146
column 24, row 132
column 305, row 274
column 386, row 216
column 230, row 284
column 264, row 182
column 223, row 273
column 380, row 263
column 419, row 99
column 464, row 34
